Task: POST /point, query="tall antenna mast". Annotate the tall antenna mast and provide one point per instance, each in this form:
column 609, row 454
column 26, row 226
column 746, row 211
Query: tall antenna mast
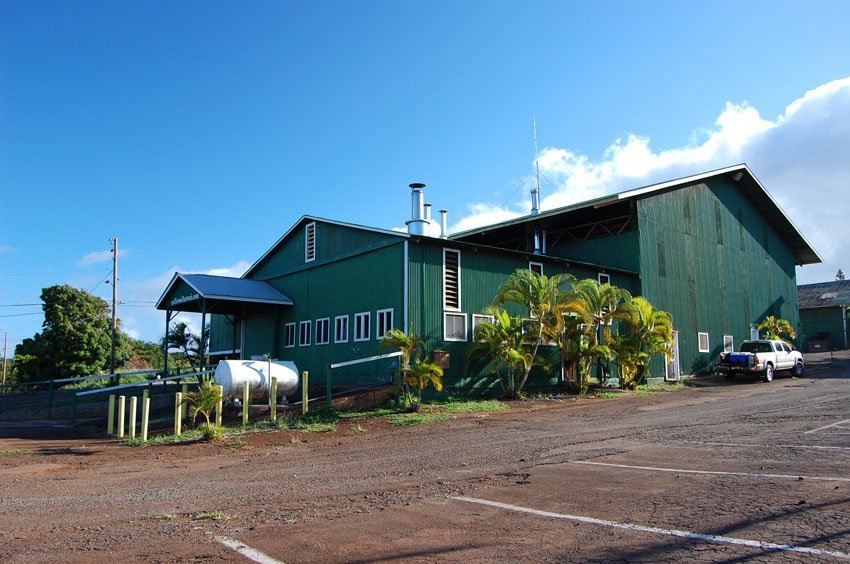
column 535, row 192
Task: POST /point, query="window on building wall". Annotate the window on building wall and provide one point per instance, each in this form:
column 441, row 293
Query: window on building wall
column 477, row 320
column 310, row 242
column 362, row 324
column 604, row 278
column 703, row 342
column 341, row 329
column 304, row 329
column 536, row 268
column 454, row 326
column 451, row 279
column 385, row 321
column 289, row 335
column 728, row 343
column 323, row 331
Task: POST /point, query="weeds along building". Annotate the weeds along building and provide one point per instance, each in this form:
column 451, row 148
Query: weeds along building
column 714, row 249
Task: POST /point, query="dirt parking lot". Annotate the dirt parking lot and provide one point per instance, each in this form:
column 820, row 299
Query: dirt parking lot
column 722, row 472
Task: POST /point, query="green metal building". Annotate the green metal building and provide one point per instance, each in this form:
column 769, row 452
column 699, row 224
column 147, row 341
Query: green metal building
column 824, row 311
column 713, row 249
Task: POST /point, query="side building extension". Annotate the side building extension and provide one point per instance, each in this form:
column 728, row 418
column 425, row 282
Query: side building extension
column 713, row 249
column 824, row 309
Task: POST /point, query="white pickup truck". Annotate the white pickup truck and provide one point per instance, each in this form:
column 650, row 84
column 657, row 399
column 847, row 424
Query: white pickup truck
column 762, row 357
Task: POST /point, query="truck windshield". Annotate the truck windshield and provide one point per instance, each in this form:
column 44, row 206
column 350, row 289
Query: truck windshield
column 755, row 347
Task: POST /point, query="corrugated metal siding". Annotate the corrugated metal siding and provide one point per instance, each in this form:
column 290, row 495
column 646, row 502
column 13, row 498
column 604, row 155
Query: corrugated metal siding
column 332, row 242
column 616, row 251
column 221, row 334
column 815, row 322
column 709, row 258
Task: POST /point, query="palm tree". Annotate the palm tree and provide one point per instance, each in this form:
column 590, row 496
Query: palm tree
column 597, row 305
column 501, row 344
column 181, row 337
column 541, row 296
column 409, row 345
column 204, row 401
column 651, row 333
column 419, row 375
column 774, row 328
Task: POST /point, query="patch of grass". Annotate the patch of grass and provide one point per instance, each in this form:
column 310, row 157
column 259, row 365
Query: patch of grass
column 608, row 395
column 378, row 411
column 186, row 436
column 236, row 444
column 97, row 383
column 357, row 429
column 410, row 419
column 211, row 516
column 653, row 389
column 13, row 451
column 453, row 405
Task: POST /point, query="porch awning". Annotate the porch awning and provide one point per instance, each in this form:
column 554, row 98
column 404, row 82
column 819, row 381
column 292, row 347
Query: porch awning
column 201, row 293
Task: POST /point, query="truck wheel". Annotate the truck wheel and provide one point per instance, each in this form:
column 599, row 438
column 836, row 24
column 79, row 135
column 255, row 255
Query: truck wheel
column 768, row 373
column 799, row 369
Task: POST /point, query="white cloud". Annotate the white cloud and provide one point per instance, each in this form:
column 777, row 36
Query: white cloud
column 802, row 157
column 99, row 257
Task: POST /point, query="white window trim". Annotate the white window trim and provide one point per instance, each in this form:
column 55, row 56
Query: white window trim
column 309, row 333
column 294, row 335
column 459, row 300
column 606, row 275
column 476, row 316
column 465, row 326
column 378, row 313
column 699, row 345
column 307, row 228
column 358, row 316
column 731, row 343
column 327, row 333
column 347, row 325
column 532, row 263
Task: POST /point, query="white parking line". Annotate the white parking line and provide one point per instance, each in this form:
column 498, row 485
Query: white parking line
column 247, row 551
column 754, row 445
column 660, row 531
column 713, row 472
column 827, row 426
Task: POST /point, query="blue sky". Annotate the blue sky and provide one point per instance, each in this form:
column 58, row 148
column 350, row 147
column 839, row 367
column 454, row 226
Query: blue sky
column 198, row 132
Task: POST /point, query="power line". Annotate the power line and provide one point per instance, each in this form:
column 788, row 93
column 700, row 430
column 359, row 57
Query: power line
column 21, row 314
column 18, row 305
column 54, row 272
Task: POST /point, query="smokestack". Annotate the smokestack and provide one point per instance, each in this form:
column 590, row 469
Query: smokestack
column 444, row 231
column 427, row 212
column 416, row 225
column 535, row 201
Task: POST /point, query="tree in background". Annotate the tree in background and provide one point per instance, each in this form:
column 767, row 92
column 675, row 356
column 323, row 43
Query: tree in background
column 839, row 275
column 774, row 327
column 182, row 338
column 75, row 340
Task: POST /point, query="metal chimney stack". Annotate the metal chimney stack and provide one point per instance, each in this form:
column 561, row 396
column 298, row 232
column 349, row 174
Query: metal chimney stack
column 417, row 224
column 535, row 201
column 444, row 231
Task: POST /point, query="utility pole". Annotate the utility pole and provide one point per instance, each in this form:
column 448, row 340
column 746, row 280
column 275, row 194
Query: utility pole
column 114, row 302
column 5, row 346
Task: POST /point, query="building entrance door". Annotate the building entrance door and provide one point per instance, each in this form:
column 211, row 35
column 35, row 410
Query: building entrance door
column 673, row 371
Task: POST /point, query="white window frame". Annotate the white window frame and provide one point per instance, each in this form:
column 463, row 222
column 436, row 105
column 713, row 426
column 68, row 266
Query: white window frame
column 731, row 346
column 309, row 229
column 532, row 264
column 446, row 315
column 459, row 300
column 707, row 342
column 307, row 333
column 287, row 344
column 387, row 326
column 357, row 323
column 476, row 317
column 604, row 275
column 337, row 332
column 326, row 321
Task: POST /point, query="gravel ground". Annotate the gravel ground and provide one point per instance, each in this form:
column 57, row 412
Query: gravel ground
column 732, row 459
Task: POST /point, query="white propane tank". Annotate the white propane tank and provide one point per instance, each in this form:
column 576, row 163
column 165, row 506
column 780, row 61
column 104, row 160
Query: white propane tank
column 232, row 375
